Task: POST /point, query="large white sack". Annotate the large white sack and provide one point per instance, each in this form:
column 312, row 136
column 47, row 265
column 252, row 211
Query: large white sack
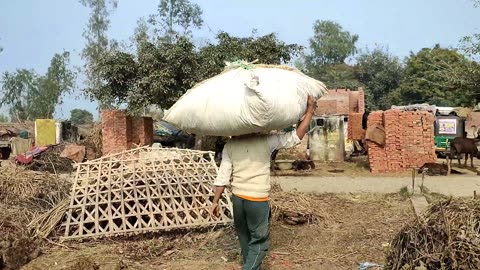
column 242, row 101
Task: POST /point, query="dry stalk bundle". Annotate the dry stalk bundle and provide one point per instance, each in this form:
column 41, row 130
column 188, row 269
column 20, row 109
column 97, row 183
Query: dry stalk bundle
column 446, row 236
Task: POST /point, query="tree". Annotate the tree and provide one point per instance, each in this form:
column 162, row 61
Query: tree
column 380, row 73
column 79, row 116
column 176, row 18
column 339, row 76
column 3, row 118
column 267, row 49
column 96, row 36
column 29, row 95
column 427, row 79
column 330, row 45
column 163, row 71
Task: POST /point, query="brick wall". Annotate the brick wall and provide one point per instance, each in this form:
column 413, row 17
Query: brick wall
column 361, row 100
column 121, row 132
column 141, row 132
column 341, row 101
column 355, row 131
column 409, row 141
column 326, row 107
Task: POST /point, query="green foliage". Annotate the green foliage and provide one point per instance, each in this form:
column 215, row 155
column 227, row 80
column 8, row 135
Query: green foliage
column 96, row 37
column 337, row 76
column 30, row 96
column 329, row 48
column 380, row 73
column 471, row 44
column 3, row 118
column 79, row 116
column 330, row 44
column 163, row 71
column 17, row 91
column 266, row 49
column 428, row 79
column 176, row 17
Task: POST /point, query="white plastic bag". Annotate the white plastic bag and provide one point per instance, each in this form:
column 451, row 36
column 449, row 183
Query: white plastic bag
column 245, row 100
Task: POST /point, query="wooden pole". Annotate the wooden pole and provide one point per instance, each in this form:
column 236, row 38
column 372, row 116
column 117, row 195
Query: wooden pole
column 423, row 178
column 413, row 180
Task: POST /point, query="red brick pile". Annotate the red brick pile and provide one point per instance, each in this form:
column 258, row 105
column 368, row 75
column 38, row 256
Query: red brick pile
column 121, row 132
column 355, row 131
column 409, row 141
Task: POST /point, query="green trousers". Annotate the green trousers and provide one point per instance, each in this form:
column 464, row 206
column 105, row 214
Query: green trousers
column 251, row 223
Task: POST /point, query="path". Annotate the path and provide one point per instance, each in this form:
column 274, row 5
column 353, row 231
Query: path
column 458, row 186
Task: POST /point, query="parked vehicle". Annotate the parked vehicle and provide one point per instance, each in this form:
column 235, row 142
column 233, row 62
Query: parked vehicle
column 447, row 128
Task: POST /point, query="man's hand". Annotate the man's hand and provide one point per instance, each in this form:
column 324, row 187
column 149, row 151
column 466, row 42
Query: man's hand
column 303, row 125
column 215, row 209
column 311, row 104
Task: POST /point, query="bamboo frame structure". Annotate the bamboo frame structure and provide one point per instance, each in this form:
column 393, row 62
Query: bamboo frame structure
column 143, row 190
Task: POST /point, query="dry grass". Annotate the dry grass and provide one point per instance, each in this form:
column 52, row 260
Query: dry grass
column 19, row 186
column 51, row 161
column 353, row 230
column 296, row 208
column 94, row 139
column 25, row 196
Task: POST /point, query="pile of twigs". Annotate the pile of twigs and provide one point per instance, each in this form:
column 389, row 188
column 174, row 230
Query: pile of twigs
column 50, row 161
column 296, row 208
column 446, row 236
column 44, row 224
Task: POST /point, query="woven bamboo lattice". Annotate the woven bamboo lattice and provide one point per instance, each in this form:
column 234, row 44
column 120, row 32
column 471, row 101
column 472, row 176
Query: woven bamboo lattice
column 143, row 190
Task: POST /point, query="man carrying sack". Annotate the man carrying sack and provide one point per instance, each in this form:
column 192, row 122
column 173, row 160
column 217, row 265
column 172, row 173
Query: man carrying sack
column 246, row 159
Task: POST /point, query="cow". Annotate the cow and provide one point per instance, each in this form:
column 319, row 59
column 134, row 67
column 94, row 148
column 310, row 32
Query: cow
column 465, row 146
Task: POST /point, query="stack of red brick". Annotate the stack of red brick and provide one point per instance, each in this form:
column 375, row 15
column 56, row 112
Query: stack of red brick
column 409, row 141
column 121, row 132
column 355, row 130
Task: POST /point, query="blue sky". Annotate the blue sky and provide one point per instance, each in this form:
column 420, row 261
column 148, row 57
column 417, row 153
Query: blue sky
column 31, row 31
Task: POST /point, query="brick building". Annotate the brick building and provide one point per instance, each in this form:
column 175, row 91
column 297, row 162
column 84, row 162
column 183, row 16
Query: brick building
column 121, row 132
column 341, row 101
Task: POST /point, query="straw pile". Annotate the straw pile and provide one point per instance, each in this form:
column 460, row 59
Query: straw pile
column 296, row 208
column 447, row 236
column 94, row 139
column 26, row 196
column 19, row 186
column 50, row 161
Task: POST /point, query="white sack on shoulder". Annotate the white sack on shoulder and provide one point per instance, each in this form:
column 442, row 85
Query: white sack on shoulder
column 242, row 101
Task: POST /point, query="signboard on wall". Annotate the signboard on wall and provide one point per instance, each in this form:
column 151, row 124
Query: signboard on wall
column 447, row 126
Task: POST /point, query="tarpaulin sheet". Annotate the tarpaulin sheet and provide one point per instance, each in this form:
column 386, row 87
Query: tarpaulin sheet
column 74, row 152
column 20, row 146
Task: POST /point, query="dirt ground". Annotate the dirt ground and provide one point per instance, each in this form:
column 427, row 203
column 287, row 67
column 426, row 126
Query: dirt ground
column 359, row 167
column 355, row 228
